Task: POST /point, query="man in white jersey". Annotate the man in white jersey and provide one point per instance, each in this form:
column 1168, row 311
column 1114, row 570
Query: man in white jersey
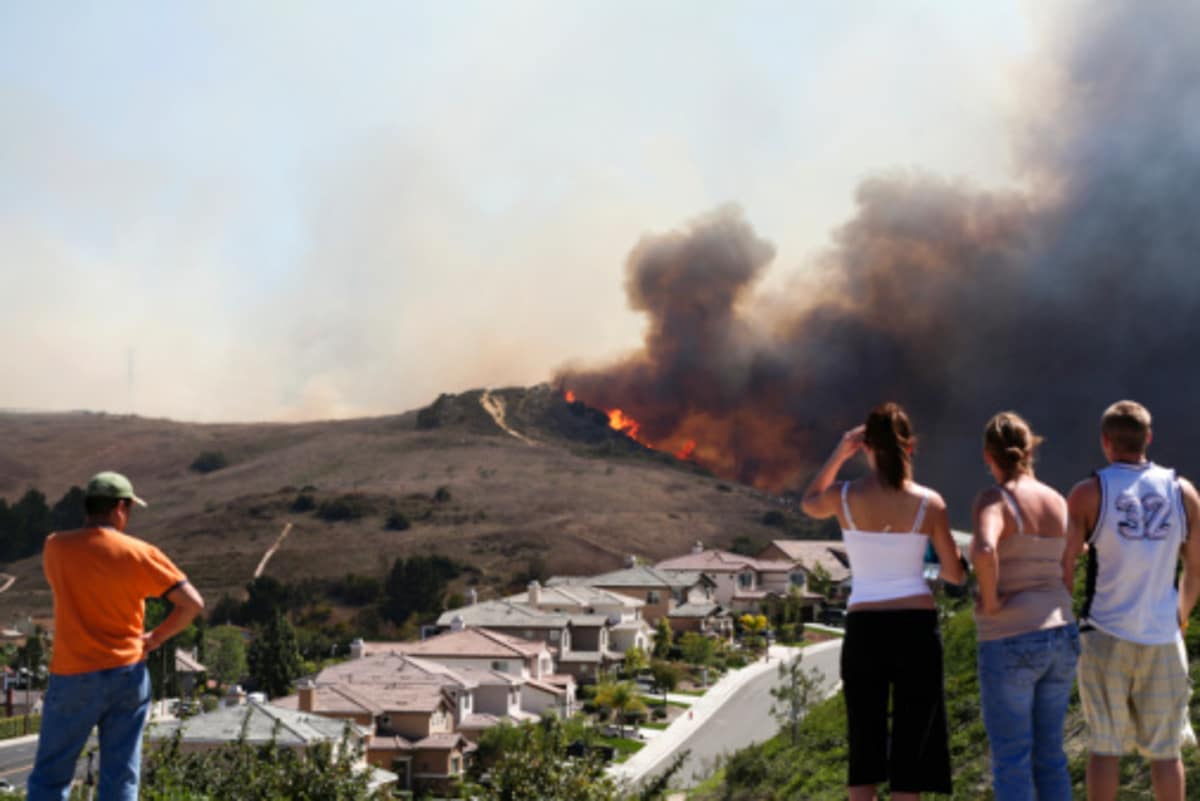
column 1135, row 519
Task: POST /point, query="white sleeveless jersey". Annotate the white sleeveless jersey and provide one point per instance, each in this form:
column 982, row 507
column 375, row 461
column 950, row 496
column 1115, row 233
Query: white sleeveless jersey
column 1134, row 554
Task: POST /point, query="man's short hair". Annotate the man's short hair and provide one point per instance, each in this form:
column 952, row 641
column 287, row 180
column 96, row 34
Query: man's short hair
column 1126, row 424
column 97, row 506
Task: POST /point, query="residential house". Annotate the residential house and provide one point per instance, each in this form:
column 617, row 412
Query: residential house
column 742, row 582
column 661, row 591
column 262, row 723
column 830, row 555
column 189, row 673
column 412, row 728
column 485, row 650
column 579, row 641
column 625, row 625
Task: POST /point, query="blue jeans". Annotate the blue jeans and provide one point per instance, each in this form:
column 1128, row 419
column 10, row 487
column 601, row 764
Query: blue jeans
column 1024, row 683
column 116, row 701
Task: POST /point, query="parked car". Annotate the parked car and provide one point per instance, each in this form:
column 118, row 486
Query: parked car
column 6, row 787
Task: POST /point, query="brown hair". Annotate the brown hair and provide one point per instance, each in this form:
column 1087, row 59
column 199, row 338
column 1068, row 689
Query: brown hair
column 1127, row 425
column 889, row 436
column 1010, row 442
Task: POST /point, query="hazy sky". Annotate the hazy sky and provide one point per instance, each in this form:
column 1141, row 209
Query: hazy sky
column 298, row 210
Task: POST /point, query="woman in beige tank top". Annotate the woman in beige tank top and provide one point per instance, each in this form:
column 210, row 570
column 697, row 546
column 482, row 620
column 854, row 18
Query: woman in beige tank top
column 1028, row 641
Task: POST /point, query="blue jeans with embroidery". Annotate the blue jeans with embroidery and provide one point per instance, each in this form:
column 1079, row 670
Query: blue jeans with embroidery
column 116, row 701
column 1024, row 684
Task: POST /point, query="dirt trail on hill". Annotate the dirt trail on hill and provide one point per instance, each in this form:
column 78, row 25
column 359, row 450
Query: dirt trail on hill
column 6, row 581
column 262, row 565
column 495, row 407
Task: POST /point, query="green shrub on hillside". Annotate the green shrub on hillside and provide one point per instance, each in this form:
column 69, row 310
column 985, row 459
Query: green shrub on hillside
column 344, row 508
column 209, row 461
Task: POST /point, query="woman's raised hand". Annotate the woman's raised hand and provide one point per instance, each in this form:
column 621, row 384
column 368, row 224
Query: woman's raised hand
column 851, row 442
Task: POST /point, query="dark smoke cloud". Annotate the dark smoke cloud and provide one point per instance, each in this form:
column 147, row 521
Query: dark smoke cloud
column 1054, row 301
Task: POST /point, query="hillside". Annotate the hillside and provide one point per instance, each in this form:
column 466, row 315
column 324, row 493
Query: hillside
column 559, row 485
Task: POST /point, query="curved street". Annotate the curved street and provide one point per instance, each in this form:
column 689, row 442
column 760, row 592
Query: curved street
column 736, row 713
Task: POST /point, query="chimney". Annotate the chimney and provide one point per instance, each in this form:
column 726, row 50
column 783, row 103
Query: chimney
column 457, row 623
column 698, row 547
column 358, row 648
column 308, row 692
column 535, row 593
column 472, row 597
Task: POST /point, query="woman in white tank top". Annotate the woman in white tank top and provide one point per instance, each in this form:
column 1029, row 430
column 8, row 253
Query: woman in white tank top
column 892, row 648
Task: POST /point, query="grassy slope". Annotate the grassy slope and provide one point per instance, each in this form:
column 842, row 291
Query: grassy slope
column 815, row 769
column 581, row 499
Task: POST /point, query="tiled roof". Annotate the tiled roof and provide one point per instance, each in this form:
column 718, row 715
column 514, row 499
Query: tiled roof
column 478, row 720
column 547, row 688
column 700, row 610
column 576, row 595
column 504, row 614
column 714, row 561
column 643, row 576
column 443, row 742
column 473, row 642
column 187, row 663
column 260, row 722
column 829, row 554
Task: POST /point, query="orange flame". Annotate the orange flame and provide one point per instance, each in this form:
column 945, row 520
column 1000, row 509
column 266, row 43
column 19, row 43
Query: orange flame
column 618, row 420
column 622, row 422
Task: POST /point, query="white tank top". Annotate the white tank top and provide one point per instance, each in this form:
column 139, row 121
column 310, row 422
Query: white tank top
column 1134, row 554
column 885, row 565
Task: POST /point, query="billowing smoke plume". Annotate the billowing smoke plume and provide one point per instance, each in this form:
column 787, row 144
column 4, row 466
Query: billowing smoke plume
column 1054, row 301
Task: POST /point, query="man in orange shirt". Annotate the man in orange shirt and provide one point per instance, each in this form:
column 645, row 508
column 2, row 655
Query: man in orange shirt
column 98, row 678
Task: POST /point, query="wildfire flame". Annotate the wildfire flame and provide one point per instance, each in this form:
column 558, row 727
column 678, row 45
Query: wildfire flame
column 622, row 422
column 618, row 420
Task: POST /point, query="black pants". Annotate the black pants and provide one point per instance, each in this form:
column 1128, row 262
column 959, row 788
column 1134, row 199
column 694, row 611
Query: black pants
column 896, row 655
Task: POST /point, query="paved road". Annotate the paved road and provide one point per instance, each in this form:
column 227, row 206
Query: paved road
column 16, row 760
column 742, row 720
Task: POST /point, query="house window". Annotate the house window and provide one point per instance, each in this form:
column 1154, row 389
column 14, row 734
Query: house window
column 797, row 578
column 501, row 666
column 456, row 764
column 746, row 580
column 555, row 634
column 652, row 597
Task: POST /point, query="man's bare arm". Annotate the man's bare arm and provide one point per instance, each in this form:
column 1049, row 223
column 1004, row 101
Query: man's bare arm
column 1083, row 507
column 187, row 604
column 1189, row 584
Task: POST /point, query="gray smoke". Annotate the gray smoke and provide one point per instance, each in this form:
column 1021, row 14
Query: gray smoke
column 956, row 302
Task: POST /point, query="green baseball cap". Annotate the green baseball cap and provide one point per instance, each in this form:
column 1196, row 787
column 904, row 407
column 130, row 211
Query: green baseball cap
column 111, row 485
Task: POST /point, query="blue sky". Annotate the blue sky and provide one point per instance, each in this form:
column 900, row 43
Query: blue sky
column 298, row 210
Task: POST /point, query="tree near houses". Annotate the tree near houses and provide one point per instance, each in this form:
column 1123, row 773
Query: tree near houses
column 621, row 699
column 274, row 657
column 662, row 639
column 699, row 651
column 796, row 692
column 635, row 661
column 225, row 654
column 538, row 767
column 820, row 582
column 666, row 676
column 753, row 627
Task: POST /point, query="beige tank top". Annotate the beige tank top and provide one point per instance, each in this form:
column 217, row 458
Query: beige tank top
column 1031, row 581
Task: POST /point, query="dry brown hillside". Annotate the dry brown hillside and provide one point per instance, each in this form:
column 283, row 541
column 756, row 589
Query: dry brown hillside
column 559, row 485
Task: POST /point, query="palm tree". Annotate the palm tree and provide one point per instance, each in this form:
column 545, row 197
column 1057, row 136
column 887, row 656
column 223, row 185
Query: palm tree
column 621, row 699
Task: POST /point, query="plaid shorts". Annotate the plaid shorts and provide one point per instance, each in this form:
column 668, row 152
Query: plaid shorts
column 1135, row 697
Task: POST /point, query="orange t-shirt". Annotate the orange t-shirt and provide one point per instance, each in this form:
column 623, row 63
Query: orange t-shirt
column 101, row 579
